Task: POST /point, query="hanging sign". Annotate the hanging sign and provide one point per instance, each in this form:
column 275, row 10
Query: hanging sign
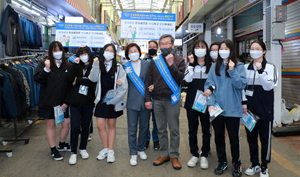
column 141, row 25
column 81, row 34
column 195, row 28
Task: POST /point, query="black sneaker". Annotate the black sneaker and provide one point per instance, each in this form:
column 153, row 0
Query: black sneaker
column 56, row 155
column 156, row 145
column 146, row 145
column 222, row 166
column 237, row 169
column 63, row 147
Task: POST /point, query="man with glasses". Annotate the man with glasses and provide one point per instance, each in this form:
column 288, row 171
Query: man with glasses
column 164, row 76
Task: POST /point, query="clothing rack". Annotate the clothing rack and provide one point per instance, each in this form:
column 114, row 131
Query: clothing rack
column 16, row 134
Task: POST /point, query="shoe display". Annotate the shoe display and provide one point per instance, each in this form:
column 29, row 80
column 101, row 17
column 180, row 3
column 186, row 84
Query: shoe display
column 156, row 145
column 110, row 156
column 204, row 163
column 142, row 155
column 264, row 172
column 73, row 159
column 56, row 155
column 222, row 166
column 84, row 154
column 146, row 145
column 175, row 163
column 161, row 160
column 252, row 170
column 133, row 160
column 63, row 147
column 237, row 169
column 193, row 161
column 102, row 154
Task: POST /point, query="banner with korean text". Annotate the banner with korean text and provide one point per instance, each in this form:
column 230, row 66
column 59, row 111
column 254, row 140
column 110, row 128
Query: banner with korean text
column 142, row 25
column 81, row 34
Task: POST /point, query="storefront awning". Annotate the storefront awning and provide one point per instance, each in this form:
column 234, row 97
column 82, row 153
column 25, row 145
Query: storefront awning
column 82, row 7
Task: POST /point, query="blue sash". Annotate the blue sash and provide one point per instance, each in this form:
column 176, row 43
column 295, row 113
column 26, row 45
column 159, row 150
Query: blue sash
column 165, row 73
column 136, row 80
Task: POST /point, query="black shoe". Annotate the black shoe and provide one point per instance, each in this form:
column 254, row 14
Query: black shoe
column 222, row 166
column 237, row 169
column 146, row 145
column 156, row 145
column 63, row 147
column 56, row 155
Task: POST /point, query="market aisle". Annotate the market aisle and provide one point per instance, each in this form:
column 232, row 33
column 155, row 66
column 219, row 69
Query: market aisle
column 33, row 159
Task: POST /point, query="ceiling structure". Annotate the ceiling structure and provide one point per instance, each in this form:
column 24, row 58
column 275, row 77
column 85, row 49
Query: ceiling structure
column 158, row 6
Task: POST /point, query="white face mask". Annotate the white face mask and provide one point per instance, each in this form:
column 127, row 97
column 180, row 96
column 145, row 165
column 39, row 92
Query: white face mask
column 84, row 58
column 108, row 56
column 224, row 53
column 200, row 53
column 214, row 55
column 256, row 54
column 134, row 56
column 57, row 55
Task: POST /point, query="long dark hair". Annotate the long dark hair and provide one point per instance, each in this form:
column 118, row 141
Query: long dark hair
column 232, row 57
column 113, row 69
column 262, row 44
column 52, row 47
column 83, row 50
column 207, row 58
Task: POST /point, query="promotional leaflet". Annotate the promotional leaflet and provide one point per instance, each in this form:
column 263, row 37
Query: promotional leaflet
column 215, row 112
column 249, row 120
column 200, row 102
column 58, row 115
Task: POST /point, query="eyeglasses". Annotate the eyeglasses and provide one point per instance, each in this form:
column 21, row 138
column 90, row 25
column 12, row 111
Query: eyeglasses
column 165, row 44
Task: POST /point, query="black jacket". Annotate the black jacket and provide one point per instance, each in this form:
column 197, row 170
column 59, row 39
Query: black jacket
column 74, row 97
column 54, row 85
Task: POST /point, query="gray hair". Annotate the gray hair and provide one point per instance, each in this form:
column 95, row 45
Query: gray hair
column 165, row 36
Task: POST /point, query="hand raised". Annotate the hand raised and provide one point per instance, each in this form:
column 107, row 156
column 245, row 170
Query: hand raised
column 151, row 87
column 77, row 60
column 96, row 60
column 231, row 65
column 47, row 64
column 170, row 59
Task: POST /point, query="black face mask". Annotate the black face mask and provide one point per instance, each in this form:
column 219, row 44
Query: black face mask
column 166, row 51
column 152, row 52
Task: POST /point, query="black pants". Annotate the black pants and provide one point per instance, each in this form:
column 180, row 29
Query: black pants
column 263, row 128
column 232, row 125
column 81, row 117
column 193, row 123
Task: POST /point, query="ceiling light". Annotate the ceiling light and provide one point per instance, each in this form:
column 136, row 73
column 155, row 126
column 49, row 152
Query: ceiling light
column 219, row 30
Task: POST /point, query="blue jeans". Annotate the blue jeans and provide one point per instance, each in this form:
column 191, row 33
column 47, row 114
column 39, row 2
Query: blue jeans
column 154, row 130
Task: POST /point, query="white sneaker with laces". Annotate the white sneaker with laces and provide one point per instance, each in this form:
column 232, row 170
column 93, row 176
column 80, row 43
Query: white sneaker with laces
column 133, row 160
column 193, row 161
column 110, row 156
column 102, row 154
column 204, row 163
column 73, row 159
column 264, row 172
column 252, row 170
column 142, row 155
column 84, row 154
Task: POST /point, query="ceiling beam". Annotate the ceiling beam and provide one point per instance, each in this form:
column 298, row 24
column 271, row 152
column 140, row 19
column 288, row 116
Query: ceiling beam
column 120, row 5
column 165, row 4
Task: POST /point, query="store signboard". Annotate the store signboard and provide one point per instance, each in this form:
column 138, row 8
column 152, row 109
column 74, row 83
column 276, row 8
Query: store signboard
column 142, row 25
column 81, row 34
column 195, row 28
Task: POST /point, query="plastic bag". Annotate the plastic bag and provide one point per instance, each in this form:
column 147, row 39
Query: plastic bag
column 286, row 117
column 295, row 112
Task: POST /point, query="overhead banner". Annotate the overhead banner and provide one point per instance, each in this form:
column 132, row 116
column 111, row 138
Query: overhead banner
column 81, row 34
column 142, row 25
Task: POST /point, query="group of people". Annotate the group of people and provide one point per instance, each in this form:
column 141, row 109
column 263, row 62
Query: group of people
column 99, row 86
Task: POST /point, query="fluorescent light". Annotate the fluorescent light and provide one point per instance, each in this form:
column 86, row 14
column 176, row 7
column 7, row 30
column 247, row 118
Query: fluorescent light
column 26, row 8
column 219, row 30
column 14, row 2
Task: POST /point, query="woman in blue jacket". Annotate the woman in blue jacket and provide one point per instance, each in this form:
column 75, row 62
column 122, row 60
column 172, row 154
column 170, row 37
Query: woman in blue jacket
column 228, row 77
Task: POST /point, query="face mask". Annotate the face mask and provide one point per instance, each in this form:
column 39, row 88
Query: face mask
column 200, row 53
column 256, row 54
column 57, row 55
column 152, row 52
column 134, row 56
column 108, row 55
column 224, row 53
column 214, row 55
column 84, row 58
column 166, row 51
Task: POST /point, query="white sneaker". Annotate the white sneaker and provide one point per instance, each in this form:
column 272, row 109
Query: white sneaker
column 204, row 163
column 110, row 156
column 84, row 154
column 73, row 159
column 142, row 155
column 133, row 160
column 252, row 170
column 193, row 161
column 264, row 172
column 102, row 154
